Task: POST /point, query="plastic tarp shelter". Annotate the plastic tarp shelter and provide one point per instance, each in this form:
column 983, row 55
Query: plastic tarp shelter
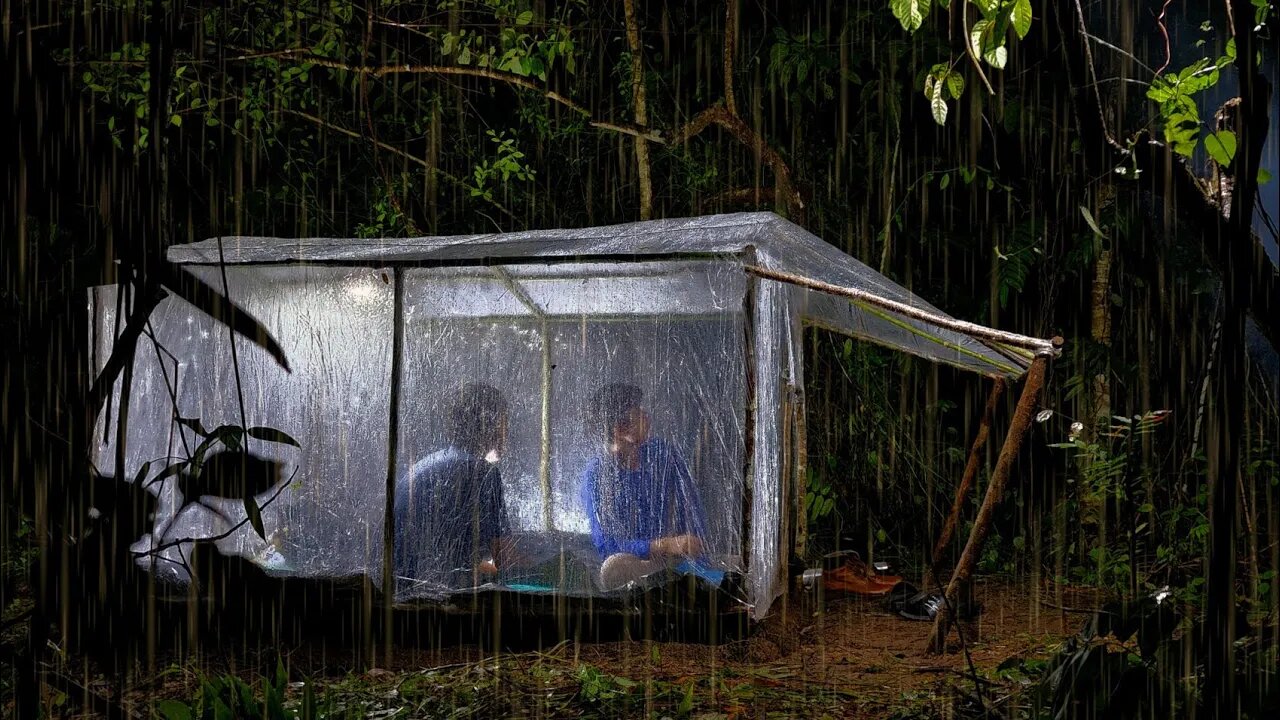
column 545, row 318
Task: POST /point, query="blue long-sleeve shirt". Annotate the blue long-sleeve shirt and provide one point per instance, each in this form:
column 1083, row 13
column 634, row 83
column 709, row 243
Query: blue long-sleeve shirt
column 628, row 509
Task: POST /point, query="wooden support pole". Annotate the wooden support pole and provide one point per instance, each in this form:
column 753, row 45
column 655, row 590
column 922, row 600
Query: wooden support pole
column 544, row 463
column 978, row 332
column 966, row 483
column 1022, row 418
column 389, row 504
column 800, row 462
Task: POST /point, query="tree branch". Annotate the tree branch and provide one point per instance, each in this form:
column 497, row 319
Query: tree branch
column 730, row 47
column 379, row 71
column 1093, row 77
column 968, row 48
column 725, row 118
column 391, row 149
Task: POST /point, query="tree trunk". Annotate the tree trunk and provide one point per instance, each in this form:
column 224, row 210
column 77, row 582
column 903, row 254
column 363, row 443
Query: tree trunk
column 1228, row 402
column 642, row 110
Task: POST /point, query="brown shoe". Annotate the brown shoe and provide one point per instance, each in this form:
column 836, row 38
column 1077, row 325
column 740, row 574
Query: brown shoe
column 846, row 579
column 857, row 567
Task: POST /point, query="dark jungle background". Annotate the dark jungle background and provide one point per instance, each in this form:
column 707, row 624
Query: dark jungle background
column 1099, row 171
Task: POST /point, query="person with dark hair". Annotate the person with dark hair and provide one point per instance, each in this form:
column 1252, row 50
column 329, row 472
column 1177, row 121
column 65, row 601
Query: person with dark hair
column 449, row 510
column 644, row 509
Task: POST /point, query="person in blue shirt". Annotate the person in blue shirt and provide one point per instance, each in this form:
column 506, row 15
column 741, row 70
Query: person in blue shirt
column 641, row 501
column 449, row 512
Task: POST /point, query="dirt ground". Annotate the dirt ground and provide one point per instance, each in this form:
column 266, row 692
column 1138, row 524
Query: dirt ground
column 872, row 661
column 851, row 659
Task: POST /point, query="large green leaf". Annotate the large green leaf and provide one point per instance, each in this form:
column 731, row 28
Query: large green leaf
column 1221, row 147
column 1021, row 17
column 911, row 13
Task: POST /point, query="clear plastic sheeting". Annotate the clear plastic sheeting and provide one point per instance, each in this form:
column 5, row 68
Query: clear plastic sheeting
column 580, row 412
column 768, row 477
column 327, row 519
column 532, row 345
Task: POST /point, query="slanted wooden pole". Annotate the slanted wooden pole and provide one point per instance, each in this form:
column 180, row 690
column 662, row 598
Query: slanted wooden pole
column 966, row 483
column 1022, row 418
column 1009, row 340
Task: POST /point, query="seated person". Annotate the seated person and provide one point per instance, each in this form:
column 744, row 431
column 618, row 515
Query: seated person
column 449, row 511
column 643, row 507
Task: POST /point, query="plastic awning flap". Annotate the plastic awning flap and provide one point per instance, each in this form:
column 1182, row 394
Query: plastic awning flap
column 775, row 243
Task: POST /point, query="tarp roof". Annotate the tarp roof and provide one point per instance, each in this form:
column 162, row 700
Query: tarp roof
column 884, row 312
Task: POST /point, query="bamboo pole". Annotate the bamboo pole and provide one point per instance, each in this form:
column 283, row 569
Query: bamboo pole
column 966, row 483
column 973, row 330
column 1022, row 418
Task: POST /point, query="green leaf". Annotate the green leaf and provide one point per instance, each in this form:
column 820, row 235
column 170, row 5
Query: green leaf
column 1264, row 176
column 1221, row 146
column 255, row 516
column 1159, row 91
column 1093, row 224
column 524, row 18
column 987, row 6
column 911, row 13
column 1021, row 17
column 946, row 181
column 955, row 85
column 173, row 710
column 983, row 42
column 997, row 57
column 938, row 105
column 270, row 434
column 686, row 702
